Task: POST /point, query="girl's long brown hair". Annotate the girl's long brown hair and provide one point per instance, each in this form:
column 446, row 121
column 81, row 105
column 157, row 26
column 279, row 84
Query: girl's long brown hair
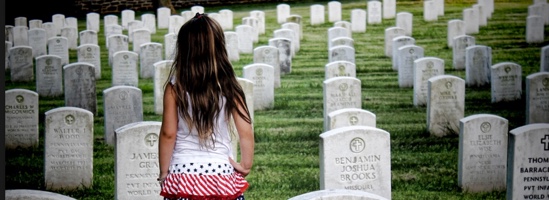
column 203, row 71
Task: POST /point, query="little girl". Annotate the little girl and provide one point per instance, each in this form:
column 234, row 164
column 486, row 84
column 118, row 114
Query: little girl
column 200, row 98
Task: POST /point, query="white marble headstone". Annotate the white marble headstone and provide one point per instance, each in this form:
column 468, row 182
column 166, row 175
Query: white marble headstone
column 21, row 118
column 398, row 42
column 341, row 92
column 374, row 12
column 68, row 148
column 21, row 64
column 456, row 27
column 482, row 160
column 478, row 60
column 175, row 23
column 317, row 14
column 80, row 86
column 390, row 34
column 527, row 162
column 59, row 21
column 59, row 46
column 405, row 21
column 136, row 165
column 389, row 9
column 350, row 117
column 544, row 59
column 49, row 76
column 16, row 194
column 535, row 29
column 470, row 18
column 290, row 35
column 20, row 36
column 284, row 47
column 262, row 75
column 269, row 55
column 335, row 194
column 71, row 34
column 117, row 42
column 424, row 69
column 161, row 75
column 405, row 58
column 35, row 23
column 282, row 12
column 506, row 81
column 149, row 22
column 127, row 16
column 341, row 53
column 163, row 17
column 245, row 39
column 537, row 98
column 334, row 11
column 231, row 44
column 140, row 36
column 445, row 104
column 38, row 41
column 121, row 105
column 339, row 68
column 358, row 20
column 124, row 68
column 149, row 54
column 227, row 17
column 356, row 158
column 88, row 37
column 90, row 53
column 92, row 21
column 430, row 11
column 460, row 44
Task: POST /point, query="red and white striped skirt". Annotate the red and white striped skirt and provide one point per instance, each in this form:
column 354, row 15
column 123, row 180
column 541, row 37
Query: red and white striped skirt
column 204, row 181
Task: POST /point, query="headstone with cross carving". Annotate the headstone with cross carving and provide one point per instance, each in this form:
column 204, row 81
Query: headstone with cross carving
column 124, row 69
column 121, row 105
column 21, row 112
column 136, row 165
column 91, row 53
column 445, row 104
column 350, row 117
column 478, row 60
column 406, row 55
column 80, row 86
column 528, row 162
column 21, row 64
column 334, row 194
column 356, row 158
column 262, row 76
column 424, row 69
column 68, row 154
column 506, row 81
column 49, row 76
column 339, row 68
column 460, row 44
column 341, row 92
column 537, row 98
column 482, row 161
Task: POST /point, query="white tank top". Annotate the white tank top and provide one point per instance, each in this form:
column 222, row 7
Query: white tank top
column 187, row 147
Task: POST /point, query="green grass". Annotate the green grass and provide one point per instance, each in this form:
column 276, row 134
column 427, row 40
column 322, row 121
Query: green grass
column 287, row 136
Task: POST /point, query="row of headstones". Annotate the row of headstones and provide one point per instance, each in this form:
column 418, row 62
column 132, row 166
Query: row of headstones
column 358, row 158
column 538, row 17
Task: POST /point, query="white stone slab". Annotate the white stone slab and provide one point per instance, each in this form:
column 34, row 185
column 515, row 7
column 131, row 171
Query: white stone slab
column 284, row 47
column 35, row 23
column 21, row 118
column 21, row 64
column 341, row 92
column 482, row 160
column 430, row 11
column 92, row 21
column 398, row 42
column 334, row 11
column 128, row 15
column 389, row 9
column 357, row 158
column 68, row 148
column 460, row 44
column 124, row 69
column 59, row 21
column 163, row 17
column 544, row 59
column 506, row 81
column 161, row 75
column 335, row 194
column 90, row 53
column 470, row 18
column 136, row 165
column 350, row 117
column 527, row 162
column 445, row 104
column 341, row 53
column 149, row 54
column 339, row 68
column 227, row 17
column 117, row 42
column 269, row 55
column 317, row 13
column 262, row 75
column 19, row 194
column 535, row 29
column 456, row 27
column 245, row 39
column 358, row 20
column 175, row 23
column 88, row 37
column 20, row 36
column 49, row 76
column 478, row 60
column 537, row 98
column 71, row 34
column 390, row 34
column 149, row 22
column 405, row 21
column 375, row 14
column 282, row 12
column 80, row 86
column 424, row 69
column 347, row 25
column 121, row 105
column 140, row 36
column 59, row 46
column 231, row 44
column 406, row 55
column 38, row 41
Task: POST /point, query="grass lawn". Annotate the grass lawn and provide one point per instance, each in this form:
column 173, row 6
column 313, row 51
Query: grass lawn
column 287, row 136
